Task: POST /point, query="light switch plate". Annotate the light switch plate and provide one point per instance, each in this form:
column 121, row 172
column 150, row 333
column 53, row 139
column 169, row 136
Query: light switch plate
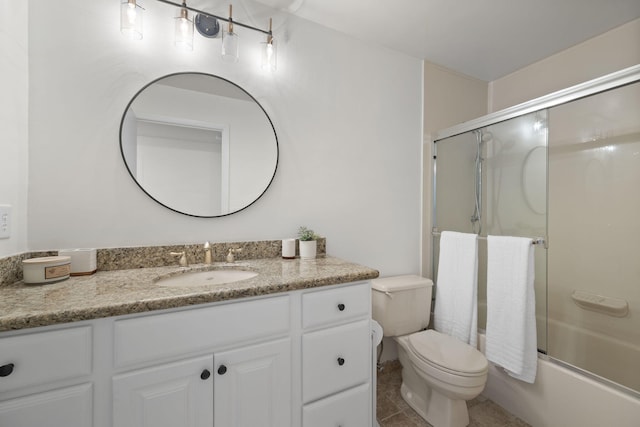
column 5, row 221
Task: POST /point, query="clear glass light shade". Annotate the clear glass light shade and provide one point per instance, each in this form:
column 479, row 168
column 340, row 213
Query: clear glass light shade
column 230, row 45
column 131, row 19
column 184, row 31
column 269, row 57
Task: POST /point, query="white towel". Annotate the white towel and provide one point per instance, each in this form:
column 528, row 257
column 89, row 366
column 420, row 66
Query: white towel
column 456, row 309
column 511, row 306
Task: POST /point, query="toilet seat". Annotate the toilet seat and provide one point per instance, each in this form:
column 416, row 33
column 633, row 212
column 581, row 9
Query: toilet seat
column 436, row 350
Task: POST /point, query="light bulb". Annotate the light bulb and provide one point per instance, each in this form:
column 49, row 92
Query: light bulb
column 269, row 51
column 269, row 57
column 131, row 13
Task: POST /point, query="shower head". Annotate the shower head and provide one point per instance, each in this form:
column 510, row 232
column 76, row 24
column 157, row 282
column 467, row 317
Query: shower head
column 485, row 136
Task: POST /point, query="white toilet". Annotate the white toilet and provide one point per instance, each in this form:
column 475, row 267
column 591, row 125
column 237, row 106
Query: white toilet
column 439, row 372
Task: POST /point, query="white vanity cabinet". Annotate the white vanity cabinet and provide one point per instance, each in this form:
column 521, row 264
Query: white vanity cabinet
column 249, row 386
column 45, row 378
column 290, row 359
column 229, row 366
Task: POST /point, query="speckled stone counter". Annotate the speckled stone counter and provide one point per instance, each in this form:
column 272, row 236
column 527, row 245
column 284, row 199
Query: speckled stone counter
column 118, row 292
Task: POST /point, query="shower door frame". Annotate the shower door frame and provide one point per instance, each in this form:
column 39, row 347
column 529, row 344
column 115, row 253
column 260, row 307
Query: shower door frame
column 610, row 81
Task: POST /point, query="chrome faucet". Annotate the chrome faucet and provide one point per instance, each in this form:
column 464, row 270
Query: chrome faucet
column 183, row 258
column 207, row 252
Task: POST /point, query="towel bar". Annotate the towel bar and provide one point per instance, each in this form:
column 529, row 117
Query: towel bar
column 535, row 240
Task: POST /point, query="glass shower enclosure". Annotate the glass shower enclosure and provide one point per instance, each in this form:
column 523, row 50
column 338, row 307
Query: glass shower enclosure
column 563, row 169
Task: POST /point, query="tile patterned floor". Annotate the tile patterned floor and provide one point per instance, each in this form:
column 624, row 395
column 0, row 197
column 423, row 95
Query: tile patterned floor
column 393, row 411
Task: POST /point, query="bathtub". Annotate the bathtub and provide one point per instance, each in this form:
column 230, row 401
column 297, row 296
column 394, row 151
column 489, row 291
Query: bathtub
column 599, row 353
column 561, row 397
column 596, row 352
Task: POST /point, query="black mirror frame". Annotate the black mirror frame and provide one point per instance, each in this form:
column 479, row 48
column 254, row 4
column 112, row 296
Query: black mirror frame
column 275, row 134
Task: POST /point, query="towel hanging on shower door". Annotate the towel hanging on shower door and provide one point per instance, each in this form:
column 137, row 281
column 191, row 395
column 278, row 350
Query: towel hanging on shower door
column 456, row 307
column 511, row 306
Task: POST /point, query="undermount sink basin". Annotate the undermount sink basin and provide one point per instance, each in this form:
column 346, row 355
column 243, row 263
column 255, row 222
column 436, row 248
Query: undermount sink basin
column 209, row 277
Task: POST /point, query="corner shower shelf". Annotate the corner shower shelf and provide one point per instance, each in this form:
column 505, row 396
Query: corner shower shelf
column 607, row 305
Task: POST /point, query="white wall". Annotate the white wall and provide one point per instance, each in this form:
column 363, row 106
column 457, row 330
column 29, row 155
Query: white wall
column 14, row 87
column 449, row 98
column 347, row 114
column 601, row 55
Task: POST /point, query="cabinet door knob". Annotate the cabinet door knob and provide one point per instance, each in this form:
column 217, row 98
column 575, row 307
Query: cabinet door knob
column 340, row 361
column 341, row 307
column 6, row 370
column 205, row 374
column 222, row 370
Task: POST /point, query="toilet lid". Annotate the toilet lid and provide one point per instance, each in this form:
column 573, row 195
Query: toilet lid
column 447, row 353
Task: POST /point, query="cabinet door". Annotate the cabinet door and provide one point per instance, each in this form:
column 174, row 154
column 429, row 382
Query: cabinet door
column 177, row 394
column 253, row 386
column 68, row 407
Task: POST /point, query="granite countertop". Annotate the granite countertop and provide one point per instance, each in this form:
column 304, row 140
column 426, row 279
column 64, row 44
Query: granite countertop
column 118, row 292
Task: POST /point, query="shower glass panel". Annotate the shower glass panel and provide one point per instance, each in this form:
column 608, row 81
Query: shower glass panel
column 594, row 252
column 493, row 181
column 570, row 173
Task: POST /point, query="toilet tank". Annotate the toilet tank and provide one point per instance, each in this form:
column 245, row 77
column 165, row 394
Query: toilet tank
column 401, row 304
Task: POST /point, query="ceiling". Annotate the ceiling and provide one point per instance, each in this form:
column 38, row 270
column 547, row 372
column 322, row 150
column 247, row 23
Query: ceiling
column 485, row 39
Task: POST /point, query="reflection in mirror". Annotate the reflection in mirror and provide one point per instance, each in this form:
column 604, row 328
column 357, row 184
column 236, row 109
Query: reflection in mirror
column 199, row 144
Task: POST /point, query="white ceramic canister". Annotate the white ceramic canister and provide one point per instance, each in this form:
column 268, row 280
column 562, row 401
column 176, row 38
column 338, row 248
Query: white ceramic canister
column 288, row 248
column 46, row 269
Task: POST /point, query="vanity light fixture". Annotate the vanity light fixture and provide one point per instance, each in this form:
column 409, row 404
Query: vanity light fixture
column 269, row 51
column 131, row 24
column 184, row 28
column 131, row 19
column 230, row 41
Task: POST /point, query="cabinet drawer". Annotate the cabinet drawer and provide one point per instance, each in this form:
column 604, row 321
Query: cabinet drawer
column 335, row 306
column 44, row 357
column 160, row 336
column 351, row 408
column 335, row 359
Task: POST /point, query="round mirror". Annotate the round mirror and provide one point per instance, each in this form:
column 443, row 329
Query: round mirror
column 198, row 144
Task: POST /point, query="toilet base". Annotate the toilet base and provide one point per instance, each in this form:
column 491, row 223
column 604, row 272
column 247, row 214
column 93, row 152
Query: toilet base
column 438, row 410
